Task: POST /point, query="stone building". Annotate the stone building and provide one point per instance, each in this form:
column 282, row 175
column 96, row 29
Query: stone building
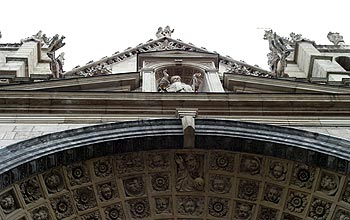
column 167, row 130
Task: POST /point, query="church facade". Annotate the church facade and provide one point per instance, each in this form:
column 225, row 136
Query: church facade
column 167, row 130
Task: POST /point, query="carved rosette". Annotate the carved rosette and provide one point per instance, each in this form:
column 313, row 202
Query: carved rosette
column 9, row 202
column 222, row 161
column 218, row 207
column 54, row 181
column 189, row 172
column 190, row 205
column 103, row 168
column 130, row 163
column 297, row 202
column 30, row 190
column 158, row 161
column 134, row 186
column 278, row 170
column 160, row 182
column 139, row 208
column 78, row 174
column 346, row 194
column 114, row 212
column 319, row 209
column 303, row 176
column 91, row 216
column 248, row 190
column 163, row 205
column 41, row 213
column 62, row 206
column 107, row 191
column 267, row 214
column 84, row 198
column 329, row 183
column 220, row 184
column 273, row 193
column 251, row 165
column 244, row 211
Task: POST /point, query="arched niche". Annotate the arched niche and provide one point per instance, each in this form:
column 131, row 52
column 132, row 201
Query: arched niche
column 139, row 170
column 344, row 62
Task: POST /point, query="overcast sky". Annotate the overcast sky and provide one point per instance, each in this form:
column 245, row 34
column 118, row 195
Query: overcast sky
column 95, row 29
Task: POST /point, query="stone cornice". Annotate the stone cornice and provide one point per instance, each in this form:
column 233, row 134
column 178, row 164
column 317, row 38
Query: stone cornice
column 156, row 104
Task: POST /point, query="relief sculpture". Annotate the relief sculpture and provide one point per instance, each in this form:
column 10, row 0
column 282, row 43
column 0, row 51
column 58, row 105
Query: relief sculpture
column 190, row 172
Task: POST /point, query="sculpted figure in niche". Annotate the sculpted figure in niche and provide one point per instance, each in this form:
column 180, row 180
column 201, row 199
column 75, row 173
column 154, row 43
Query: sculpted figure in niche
column 175, row 84
column 189, row 173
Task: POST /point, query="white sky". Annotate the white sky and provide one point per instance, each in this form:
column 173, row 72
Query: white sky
column 95, row 29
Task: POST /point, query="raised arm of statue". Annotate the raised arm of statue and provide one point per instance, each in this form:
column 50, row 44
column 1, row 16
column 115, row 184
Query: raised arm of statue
column 164, row 82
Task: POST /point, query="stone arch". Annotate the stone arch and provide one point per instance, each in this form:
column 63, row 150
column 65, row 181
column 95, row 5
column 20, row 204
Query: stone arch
column 344, row 62
column 273, row 172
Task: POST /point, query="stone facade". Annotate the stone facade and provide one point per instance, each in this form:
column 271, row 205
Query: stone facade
column 168, row 130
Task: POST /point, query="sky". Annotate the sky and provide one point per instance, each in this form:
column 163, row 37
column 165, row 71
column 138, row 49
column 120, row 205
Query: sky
column 94, row 29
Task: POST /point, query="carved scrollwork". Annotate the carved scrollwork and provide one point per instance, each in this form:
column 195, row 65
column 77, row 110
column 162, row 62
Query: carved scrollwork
column 77, row 174
column 342, row 214
column 222, row 161
column 107, row 191
column 251, row 165
column 189, row 205
column 287, row 216
column 41, row 213
column 160, row 182
column 218, row 207
column 267, row 214
column 134, row 186
column 103, row 168
column 248, row 190
column 8, row 202
column 128, row 163
column 162, row 205
column 328, row 184
column 319, row 209
column 84, row 198
column 297, row 202
column 54, row 181
column 303, row 176
column 91, row 216
column 190, row 172
column 244, row 211
column 62, row 206
column 220, row 184
column 114, row 212
column 273, row 193
column 346, row 194
column 139, row 208
column 30, row 190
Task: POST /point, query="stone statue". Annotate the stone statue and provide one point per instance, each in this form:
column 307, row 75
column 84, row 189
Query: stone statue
column 166, row 32
column 335, row 38
column 56, row 43
column 175, row 84
column 178, row 86
column 196, row 81
column 56, row 64
column 279, row 53
column 0, row 35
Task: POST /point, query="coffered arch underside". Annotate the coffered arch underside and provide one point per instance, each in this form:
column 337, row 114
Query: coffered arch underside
column 139, row 170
